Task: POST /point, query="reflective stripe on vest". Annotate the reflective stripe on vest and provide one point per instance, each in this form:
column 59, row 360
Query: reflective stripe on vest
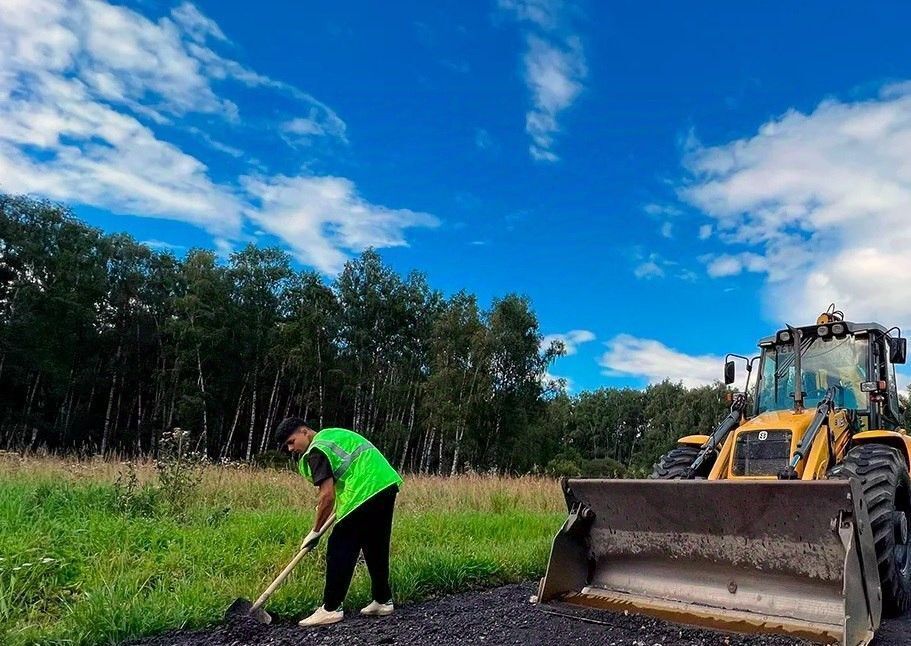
column 360, row 470
column 343, row 467
column 345, row 457
column 332, row 446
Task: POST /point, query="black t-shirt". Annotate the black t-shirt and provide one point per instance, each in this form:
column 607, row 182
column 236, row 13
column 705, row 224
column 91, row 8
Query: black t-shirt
column 320, row 469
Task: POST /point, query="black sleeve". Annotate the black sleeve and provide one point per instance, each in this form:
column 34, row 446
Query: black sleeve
column 320, row 469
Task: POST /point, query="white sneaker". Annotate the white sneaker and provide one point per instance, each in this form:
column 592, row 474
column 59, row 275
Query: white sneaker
column 322, row 617
column 378, row 609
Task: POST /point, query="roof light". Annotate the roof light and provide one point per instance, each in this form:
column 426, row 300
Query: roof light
column 822, row 330
column 838, row 328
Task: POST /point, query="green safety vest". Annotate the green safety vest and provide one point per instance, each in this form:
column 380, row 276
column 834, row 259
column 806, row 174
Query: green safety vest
column 359, row 469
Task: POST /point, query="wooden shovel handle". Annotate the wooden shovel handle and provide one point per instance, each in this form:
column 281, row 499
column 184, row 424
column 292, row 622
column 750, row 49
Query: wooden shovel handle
column 284, row 573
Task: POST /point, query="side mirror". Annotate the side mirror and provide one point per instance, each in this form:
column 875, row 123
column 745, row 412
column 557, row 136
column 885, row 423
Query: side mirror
column 898, row 350
column 729, row 372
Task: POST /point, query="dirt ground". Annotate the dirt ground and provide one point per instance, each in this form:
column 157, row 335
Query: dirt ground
column 499, row 616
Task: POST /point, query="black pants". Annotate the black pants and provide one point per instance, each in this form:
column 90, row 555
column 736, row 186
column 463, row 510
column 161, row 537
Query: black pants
column 367, row 528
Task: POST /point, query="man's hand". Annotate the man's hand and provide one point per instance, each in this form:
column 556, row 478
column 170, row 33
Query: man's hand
column 311, row 540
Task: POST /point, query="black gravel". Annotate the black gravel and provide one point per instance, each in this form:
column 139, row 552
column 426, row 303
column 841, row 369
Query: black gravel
column 499, row 616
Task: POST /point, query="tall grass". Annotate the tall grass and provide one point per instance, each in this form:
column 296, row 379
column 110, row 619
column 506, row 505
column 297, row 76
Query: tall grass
column 81, row 567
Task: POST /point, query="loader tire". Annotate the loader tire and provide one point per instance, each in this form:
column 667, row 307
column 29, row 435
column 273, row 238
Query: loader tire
column 883, row 476
column 673, row 465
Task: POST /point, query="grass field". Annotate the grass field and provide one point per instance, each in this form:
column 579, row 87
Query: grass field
column 86, row 561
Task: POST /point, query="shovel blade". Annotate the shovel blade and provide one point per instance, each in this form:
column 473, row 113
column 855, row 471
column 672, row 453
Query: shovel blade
column 243, row 608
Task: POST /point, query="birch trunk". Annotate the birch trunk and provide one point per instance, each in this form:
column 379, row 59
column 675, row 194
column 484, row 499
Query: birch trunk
column 407, row 437
column 240, row 401
column 319, row 378
column 270, row 413
column 201, row 381
column 105, row 435
column 252, row 419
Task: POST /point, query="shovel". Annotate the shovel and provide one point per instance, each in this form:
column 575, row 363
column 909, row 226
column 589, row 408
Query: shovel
column 243, row 608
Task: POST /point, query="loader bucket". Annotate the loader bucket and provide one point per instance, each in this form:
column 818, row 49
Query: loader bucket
column 793, row 558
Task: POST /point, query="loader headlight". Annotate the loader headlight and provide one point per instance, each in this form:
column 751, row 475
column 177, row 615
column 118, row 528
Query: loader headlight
column 784, row 337
column 838, row 328
column 822, row 330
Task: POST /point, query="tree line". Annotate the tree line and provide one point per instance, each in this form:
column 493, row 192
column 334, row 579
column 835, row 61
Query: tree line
column 106, row 343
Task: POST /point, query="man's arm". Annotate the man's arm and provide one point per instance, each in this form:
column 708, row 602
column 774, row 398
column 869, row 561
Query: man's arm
column 325, row 503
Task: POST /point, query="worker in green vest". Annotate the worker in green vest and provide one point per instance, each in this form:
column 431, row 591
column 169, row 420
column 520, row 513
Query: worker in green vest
column 358, row 484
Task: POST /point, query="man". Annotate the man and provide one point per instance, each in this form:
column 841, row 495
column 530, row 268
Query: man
column 356, row 482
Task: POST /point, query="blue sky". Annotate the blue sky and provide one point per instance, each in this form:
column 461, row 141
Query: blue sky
column 667, row 182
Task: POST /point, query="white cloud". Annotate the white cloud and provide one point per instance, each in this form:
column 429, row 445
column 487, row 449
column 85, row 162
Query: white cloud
column 824, row 198
column 223, row 248
column 724, row 266
column 732, row 265
column 654, row 265
column 162, row 245
column 554, row 74
column 86, row 89
column 667, row 229
column 571, row 340
column 321, row 217
column 200, row 27
column 555, row 69
column 705, row 231
column 204, row 136
column 629, row 356
column 318, row 123
column 649, row 269
column 301, row 126
column 96, row 155
column 140, row 56
column 661, row 209
column 546, row 14
column 76, row 78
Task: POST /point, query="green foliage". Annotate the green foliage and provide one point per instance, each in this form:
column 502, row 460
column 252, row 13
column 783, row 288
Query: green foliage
column 177, row 479
column 30, row 579
column 178, row 474
column 131, row 497
column 674, row 411
column 107, row 346
column 570, row 464
column 562, row 467
column 274, row 460
column 75, row 570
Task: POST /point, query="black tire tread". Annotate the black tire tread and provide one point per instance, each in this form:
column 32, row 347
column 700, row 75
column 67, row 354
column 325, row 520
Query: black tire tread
column 674, row 464
column 882, row 474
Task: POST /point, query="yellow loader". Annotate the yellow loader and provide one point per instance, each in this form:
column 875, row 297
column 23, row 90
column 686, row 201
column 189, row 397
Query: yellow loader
column 791, row 517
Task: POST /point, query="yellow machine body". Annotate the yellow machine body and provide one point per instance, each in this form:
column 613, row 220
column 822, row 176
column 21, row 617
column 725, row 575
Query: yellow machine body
column 744, row 546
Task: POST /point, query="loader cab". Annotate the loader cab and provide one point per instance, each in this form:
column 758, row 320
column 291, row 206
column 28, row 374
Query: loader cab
column 856, row 359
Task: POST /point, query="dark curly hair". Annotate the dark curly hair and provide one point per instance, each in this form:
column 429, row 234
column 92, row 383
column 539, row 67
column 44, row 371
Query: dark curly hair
column 287, row 428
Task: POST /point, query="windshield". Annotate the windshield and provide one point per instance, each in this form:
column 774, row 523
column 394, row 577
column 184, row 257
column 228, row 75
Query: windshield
column 841, row 363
